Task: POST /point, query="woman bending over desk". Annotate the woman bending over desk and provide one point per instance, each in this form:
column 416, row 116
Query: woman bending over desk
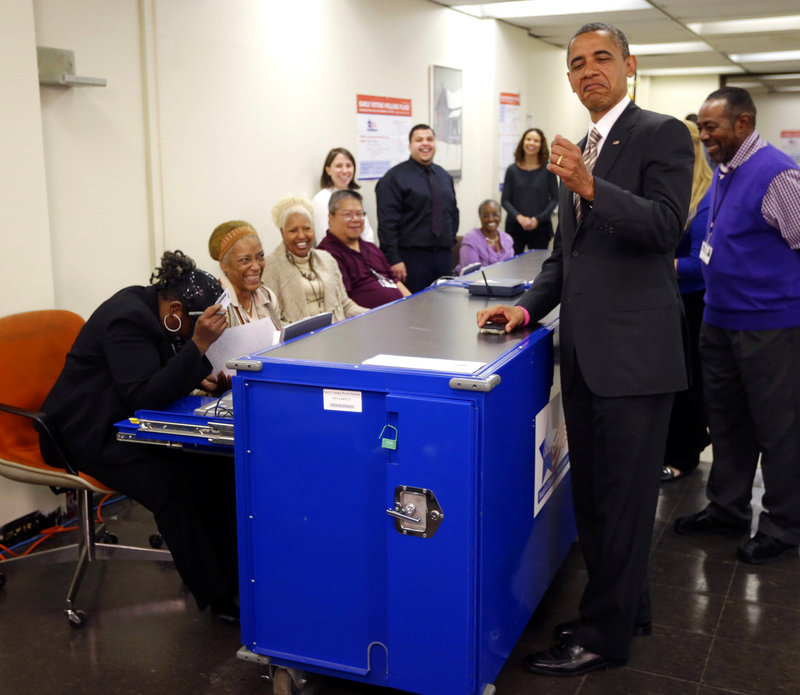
column 141, row 349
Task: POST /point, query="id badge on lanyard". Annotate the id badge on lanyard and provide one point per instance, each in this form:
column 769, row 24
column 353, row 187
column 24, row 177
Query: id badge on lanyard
column 705, row 252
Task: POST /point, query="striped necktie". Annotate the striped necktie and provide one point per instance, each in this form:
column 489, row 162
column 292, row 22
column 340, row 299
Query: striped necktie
column 589, row 159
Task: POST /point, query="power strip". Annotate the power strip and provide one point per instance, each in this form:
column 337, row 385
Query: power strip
column 28, row 526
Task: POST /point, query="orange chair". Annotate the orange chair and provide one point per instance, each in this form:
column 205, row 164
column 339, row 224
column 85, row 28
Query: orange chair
column 33, row 346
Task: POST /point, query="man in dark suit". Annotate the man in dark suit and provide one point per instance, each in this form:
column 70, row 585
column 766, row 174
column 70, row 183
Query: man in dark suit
column 417, row 214
column 622, row 206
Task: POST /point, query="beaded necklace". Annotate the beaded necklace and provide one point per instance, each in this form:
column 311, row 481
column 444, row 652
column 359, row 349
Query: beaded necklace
column 311, row 277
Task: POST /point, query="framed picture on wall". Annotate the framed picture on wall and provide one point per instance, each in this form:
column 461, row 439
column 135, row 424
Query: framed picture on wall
column 446, row 105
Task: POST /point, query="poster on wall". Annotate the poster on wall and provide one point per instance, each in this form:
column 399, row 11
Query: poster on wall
column 509, row 130
column 446, row 105
column 790, row 144
column 382, row 125
column 552, row 452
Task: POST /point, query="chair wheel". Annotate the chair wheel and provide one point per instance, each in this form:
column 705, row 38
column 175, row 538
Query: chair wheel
column 108, row 537
column 282, row 683
column 156, row 540
column 76, row 618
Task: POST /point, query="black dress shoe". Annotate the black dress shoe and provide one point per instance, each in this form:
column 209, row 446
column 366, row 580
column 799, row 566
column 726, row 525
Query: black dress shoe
column 568, row 659
column 762, row 548
column 226, row 609
column 564, row 631
column 703, row 523
column 668, row 474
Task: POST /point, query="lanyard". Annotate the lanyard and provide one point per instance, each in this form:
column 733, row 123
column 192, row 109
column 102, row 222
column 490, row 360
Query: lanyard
column 714, row 207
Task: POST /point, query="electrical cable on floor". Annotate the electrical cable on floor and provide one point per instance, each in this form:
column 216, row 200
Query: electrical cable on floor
column 51, row 531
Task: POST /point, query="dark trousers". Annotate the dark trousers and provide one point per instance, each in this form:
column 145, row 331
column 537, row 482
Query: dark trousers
column 752, row 389
column 538, row 238
column 424, row 265
column 193, row 500
column 616, row 448
column 688, row 430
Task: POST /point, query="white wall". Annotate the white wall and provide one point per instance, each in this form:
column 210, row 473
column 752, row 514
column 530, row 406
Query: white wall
column 25, row 260
column 777, row 112
column 23, row 195
column 249, row 111
column 95, row 155
column 676, row 96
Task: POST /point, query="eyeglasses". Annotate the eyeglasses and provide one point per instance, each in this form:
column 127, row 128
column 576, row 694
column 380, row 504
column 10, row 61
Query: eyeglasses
column 349, row 215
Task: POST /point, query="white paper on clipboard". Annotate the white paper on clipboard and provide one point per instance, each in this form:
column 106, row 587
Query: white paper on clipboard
column 246, row 339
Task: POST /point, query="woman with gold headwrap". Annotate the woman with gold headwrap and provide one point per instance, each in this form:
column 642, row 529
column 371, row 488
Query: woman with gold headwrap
column 307, row 280
column 238, row 249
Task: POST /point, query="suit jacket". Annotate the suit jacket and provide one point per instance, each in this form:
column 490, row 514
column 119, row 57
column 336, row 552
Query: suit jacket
column 613, row 273
column 120, row 362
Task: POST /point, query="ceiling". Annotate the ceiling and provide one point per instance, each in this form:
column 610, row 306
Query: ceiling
column 654, row 27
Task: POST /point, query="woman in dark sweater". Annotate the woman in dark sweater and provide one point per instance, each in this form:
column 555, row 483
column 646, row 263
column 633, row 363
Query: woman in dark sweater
column 530, row 193
column 143, row 349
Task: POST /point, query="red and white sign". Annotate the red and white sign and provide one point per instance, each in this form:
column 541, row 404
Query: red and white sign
column 387, row 106
column 382, row 124
column 510, row 99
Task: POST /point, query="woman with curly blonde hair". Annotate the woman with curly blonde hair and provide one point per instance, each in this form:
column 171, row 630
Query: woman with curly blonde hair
column 307, row 280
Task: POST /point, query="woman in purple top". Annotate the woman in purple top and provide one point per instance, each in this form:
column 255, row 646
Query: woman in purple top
column 488, row 244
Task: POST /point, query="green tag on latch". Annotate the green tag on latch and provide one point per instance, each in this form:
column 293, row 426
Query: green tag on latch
column 388, row 442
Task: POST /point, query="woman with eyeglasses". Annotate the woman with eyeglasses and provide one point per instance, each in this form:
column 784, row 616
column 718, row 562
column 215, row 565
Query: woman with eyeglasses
column 366, row 273
column 338, row 174
column 306, row 280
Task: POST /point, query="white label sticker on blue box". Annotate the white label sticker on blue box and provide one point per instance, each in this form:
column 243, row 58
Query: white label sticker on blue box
column 335, row 399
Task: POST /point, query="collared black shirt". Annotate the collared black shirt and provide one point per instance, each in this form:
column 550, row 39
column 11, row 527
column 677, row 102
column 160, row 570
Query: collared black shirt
column 405, row 209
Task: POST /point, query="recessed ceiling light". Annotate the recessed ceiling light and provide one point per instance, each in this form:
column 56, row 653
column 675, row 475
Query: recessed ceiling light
column 548, row 8
column 670, row 72
column 744, row 84
column 747, row 26
column 767, row 57
column 652, row 49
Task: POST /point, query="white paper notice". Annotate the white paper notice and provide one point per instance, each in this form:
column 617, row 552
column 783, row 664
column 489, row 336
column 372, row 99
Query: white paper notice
column 335, row 399
column 430, row 364
column 551, row 458
column 242, row 340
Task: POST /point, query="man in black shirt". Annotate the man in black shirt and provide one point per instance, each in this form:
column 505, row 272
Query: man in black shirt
column 417, row 214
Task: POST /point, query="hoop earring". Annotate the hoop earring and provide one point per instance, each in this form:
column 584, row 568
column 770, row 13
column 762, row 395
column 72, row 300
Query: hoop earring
column 173, row 330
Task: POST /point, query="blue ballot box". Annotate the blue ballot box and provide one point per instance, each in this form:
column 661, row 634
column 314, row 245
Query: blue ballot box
column 400, row 510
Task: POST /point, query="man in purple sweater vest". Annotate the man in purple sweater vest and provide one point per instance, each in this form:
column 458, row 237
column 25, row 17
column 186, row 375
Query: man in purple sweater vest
column 750, row 337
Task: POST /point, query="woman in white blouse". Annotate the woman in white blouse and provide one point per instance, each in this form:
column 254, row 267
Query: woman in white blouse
column 338, row 173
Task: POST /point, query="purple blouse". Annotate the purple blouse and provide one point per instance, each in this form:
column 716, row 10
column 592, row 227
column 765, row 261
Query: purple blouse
column 475, row 248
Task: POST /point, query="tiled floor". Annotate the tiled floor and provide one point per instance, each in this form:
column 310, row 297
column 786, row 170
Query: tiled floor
column 719, row 626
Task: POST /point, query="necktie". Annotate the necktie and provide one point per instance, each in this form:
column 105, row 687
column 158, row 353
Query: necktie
column 437, row 214
column 589, row 159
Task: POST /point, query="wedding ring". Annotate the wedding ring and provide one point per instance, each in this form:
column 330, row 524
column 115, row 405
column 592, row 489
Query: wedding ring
column 558, row 161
